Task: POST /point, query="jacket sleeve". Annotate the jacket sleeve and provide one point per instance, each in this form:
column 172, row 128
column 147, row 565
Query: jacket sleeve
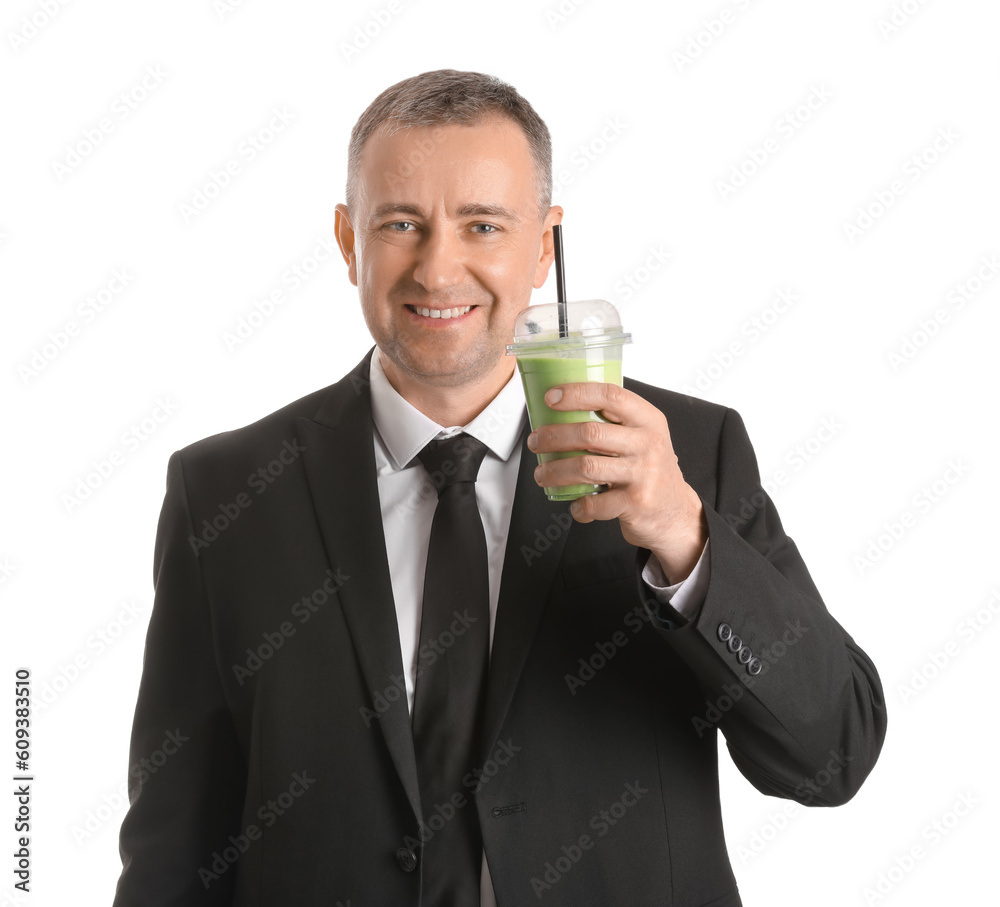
column 800, row 704
column 186, row 774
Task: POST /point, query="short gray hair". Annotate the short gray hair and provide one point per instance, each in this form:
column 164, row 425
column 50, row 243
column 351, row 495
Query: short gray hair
column 446, row 96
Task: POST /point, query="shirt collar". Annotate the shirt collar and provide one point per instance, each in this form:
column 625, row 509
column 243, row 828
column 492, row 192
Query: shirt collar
column 405, row 430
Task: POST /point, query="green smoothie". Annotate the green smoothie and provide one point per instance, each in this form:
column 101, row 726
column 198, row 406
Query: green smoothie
column 567, row 343
column 538, row 374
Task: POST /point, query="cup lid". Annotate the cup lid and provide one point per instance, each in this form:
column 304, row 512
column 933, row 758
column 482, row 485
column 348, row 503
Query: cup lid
column 590, row 323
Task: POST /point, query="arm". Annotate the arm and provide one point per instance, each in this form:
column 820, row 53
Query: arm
column 685, row 597
column 807, row 720
column 809, row 726
column 186, row 773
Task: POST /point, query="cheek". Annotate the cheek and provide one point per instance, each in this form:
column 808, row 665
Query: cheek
column 382, row 264
column 512, row 270
column 371, row 273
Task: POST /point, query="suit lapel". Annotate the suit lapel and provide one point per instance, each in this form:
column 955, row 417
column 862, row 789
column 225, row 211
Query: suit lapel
column 340, row 468
column 526, row 578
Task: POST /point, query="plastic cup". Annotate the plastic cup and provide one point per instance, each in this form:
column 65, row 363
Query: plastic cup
column 590, row 351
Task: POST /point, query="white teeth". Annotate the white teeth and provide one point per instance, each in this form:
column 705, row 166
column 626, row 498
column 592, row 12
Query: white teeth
column 443, row 313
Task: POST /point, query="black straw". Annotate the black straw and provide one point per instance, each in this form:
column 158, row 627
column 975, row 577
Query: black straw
column 560, row 280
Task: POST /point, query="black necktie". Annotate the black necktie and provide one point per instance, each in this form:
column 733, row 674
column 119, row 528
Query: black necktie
column 452, row 662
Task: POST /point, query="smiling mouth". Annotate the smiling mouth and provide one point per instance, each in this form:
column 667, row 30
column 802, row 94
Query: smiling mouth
column 455, row 312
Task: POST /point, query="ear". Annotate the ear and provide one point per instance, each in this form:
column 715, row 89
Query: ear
column 345, row 239
column 546, row 250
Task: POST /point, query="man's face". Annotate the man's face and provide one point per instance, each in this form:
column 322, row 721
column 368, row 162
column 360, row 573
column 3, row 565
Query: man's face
column 445, row 244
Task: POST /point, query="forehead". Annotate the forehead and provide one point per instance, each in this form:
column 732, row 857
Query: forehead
column 454, row 164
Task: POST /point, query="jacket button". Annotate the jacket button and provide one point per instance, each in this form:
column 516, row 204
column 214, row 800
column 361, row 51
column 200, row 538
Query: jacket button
column 744, row 656
column 407, row 859
column 754, row 666
column 734, row 643
column 725, row 631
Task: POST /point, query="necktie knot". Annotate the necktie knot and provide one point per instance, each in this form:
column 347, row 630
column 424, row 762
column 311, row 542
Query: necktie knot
column 451, row 460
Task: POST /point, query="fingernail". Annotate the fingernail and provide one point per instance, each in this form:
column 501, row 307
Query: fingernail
column 532, row 440
column 554, row 395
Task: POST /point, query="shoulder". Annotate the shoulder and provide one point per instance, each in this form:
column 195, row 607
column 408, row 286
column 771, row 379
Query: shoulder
column 255, row 444
column 691, row 417
column 219, row 459
column 708, row 438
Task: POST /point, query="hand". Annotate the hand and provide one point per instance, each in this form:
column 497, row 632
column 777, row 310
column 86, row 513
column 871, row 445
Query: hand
column 633, row 455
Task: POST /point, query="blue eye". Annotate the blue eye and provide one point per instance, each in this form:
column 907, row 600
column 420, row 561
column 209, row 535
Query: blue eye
column 492, row 228
column 399, row 223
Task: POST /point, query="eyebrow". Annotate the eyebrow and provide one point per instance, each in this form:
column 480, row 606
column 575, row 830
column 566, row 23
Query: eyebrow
column 473, row 209
column 478, row 209
column 393, row 208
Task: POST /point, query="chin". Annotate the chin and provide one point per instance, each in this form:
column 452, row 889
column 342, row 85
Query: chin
column 445, row 370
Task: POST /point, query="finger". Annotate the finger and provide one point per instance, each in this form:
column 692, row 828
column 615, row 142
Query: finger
column 588, row 469
column 608, row 505
column 600, row 437
column 615, row 403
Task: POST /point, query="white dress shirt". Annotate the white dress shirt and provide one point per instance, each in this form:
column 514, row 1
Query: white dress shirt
column 408, row 500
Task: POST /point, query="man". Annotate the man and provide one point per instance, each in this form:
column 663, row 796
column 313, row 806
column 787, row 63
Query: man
column 289, row 668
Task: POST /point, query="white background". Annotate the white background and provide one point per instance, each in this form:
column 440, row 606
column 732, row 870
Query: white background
column 71, row 571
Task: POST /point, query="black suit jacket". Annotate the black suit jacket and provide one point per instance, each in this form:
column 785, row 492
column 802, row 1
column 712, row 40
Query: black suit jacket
column 272, row 762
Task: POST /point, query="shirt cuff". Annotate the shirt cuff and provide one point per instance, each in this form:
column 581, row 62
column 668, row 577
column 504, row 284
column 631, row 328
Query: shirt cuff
column 685, row 597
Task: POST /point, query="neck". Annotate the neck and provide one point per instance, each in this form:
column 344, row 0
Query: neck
column 450, row 404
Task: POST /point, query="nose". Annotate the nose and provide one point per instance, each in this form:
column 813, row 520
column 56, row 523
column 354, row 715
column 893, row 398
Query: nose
column 440, row 260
